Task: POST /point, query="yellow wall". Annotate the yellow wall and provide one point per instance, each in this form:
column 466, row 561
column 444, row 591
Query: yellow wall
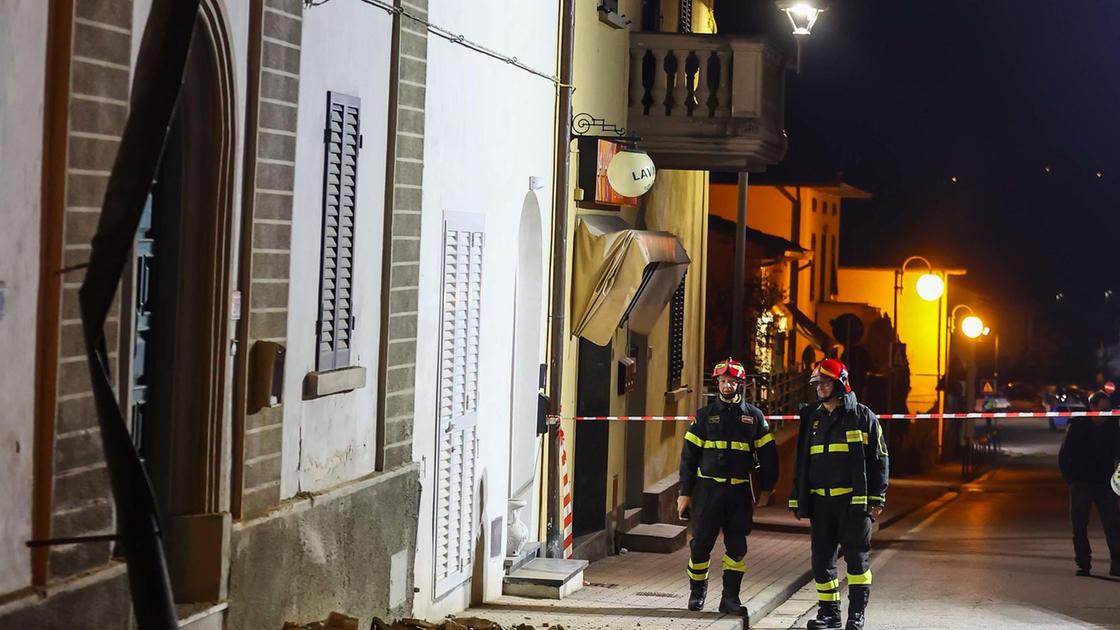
column 677, row 203
column 919, row 324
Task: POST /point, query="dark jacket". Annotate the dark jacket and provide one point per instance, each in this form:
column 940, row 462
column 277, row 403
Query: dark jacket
column 722, row 445
column 867, row 458
column 1089, row 451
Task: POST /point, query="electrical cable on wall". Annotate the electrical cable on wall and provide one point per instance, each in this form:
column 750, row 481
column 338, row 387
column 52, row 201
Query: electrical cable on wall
column 453, row 38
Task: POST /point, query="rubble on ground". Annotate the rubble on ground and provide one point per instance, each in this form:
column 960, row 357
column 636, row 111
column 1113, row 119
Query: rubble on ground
column 452, row 623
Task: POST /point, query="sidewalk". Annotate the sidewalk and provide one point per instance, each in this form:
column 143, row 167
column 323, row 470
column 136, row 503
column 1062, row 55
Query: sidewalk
column 648, row 590
column 643, row 590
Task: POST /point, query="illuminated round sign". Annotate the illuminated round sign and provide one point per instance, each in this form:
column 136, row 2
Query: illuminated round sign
column 631, row 173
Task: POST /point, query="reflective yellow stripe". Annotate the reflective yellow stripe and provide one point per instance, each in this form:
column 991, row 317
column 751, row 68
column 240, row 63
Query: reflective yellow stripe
column 764, row 440
column 862, row 578
column 730, row 564
column 734, row 480
column 837, row 448
column 816, row 449
column 858, row 436
column 793, row 503
column 698, row 577
column 740, row 446
column 702, row 566
column 692, row 437
column 828, row 586
column 831, row 492
column 715, row 444
column 828, row 597
column 859, row 500
column 876, row 500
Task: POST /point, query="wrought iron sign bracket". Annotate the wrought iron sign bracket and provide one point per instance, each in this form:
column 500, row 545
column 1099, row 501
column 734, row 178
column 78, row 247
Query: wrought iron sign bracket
column 583, row 123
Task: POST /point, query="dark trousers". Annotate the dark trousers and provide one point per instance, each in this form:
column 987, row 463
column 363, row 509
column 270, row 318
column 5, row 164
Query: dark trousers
column 836, row 523
column 1082, row 496
column 719, row 507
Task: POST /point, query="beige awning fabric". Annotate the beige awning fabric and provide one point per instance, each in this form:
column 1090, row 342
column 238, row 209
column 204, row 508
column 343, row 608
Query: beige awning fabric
column 622, row 274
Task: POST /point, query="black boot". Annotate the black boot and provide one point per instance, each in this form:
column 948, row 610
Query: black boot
column 828, row 617
column 729, row 602
column 698, row 590
column 858, row 597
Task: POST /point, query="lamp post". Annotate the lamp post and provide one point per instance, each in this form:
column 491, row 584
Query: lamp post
column 972, row 327
column 930, row 288
column 802, row 16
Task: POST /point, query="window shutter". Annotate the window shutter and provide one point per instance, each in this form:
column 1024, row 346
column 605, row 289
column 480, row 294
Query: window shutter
column 676, row 337
column 342, row 137
column 458, row 399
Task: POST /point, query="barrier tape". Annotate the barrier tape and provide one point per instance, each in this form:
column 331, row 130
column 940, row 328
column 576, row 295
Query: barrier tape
column 886, row 416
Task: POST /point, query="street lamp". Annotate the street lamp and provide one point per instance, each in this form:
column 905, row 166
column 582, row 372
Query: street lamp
column 802, row 16
column 930, row 288
column 972, row 326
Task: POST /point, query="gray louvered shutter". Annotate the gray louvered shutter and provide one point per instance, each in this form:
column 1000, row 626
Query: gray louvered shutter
column 458, row 399
column 342, row 137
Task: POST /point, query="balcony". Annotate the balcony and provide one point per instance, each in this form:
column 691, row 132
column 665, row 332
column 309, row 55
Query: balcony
column 707, row 102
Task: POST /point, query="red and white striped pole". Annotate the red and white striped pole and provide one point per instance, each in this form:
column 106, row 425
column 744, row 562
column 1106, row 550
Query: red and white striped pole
column 565, row 498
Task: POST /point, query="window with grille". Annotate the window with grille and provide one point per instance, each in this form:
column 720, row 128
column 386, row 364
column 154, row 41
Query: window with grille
column 343, row 139
column 458, row 399
column 676, row 337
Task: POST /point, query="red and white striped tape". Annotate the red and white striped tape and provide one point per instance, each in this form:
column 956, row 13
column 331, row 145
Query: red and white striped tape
column 886, row 416
column 565, row 497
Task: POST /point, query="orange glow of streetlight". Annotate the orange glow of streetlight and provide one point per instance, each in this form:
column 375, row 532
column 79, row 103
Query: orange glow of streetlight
column 972, row 327
column 931, row 287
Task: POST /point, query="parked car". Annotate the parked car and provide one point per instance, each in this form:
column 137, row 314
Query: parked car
column 1023, row 397
column 995, row 402
column 1071, row 399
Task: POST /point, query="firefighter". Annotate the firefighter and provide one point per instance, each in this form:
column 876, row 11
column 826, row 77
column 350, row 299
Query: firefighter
column 839, row 483
column 728, row 441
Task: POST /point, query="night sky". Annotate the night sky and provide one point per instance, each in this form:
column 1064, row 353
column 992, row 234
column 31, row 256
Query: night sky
column 902, row 96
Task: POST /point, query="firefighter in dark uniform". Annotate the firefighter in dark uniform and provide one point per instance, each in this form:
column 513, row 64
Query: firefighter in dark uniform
column 728, row 441
column 840, row 484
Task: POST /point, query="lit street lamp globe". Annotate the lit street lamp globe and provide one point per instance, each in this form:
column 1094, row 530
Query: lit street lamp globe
column 802, row 14
column 631, row 173
column 930, row 287
column 972, row 327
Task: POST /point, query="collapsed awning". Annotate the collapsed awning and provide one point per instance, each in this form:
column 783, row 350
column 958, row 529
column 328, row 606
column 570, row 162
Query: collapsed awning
column 621, row 274
column 807, row 327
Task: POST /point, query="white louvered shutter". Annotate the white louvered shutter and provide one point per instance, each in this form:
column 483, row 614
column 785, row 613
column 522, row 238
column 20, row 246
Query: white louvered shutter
column 458, row 399
column 342, row 137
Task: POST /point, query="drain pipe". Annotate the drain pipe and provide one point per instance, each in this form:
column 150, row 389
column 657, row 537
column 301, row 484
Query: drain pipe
column 558, row 329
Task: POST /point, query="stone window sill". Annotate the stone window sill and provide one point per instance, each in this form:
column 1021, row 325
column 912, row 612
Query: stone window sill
column 330, row 382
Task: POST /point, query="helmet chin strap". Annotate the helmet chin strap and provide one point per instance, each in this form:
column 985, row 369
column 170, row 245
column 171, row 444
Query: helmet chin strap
column 735, row 396
column 837, row 393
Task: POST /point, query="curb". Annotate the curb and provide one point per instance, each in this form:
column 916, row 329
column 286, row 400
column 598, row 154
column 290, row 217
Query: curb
column 775, row 595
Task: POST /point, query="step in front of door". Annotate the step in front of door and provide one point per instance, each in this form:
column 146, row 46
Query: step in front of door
column 546, row 578
column 655, row 538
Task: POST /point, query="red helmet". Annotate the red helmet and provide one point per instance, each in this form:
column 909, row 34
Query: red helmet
column 833, row 369
column 730, row 367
